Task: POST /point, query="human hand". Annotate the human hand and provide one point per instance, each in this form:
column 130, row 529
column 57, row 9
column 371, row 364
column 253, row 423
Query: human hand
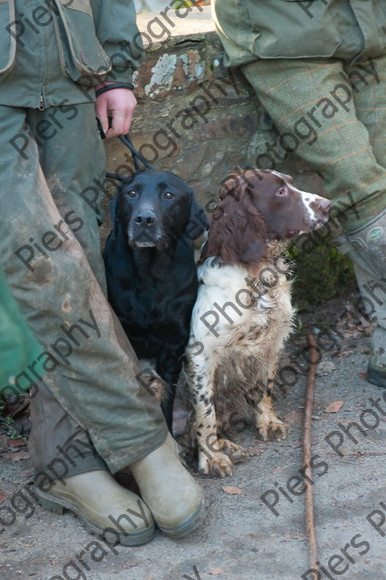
column 120, row 105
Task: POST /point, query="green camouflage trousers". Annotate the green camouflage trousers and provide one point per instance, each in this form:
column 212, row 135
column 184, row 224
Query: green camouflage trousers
column 52, row 172
column 333, row 116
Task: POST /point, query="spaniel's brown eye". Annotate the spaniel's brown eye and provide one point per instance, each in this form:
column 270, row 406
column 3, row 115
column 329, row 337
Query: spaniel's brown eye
column 282, row 191
column 132, row 193
column 168, row 195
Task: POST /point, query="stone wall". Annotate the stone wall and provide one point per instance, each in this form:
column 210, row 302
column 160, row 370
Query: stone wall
column 197, row 120
column 193, row 118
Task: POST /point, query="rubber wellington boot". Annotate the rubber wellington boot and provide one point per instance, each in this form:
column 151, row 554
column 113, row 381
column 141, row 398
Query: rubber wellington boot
column 105, row 508
column 376, row 370
column 373, row 294
column 174, row 498
column 366, row 246
column 367, row 249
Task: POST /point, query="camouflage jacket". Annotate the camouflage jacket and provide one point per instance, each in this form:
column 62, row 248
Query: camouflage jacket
column 50, row 48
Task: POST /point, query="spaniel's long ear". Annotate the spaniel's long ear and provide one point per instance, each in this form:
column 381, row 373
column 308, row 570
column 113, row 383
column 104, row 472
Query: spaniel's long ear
column 238, row 233
column 255, row 251
column 252, row 239
column 197, row 222
column 234, row 185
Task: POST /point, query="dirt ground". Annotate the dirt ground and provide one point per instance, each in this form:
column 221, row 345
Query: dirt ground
column 255, row 519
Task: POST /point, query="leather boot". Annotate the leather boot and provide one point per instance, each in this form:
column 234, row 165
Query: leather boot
column 102, row 505
column 174, row 498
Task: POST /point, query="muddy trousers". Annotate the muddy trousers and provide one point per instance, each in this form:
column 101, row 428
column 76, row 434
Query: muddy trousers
column 89, row 410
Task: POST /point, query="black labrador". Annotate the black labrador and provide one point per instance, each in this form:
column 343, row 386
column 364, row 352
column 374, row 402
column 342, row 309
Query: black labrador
column 150, row 268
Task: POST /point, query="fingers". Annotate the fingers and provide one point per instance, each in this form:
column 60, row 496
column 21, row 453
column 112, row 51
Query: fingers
column 119, row 104
column 120, row 124
column 102, row 113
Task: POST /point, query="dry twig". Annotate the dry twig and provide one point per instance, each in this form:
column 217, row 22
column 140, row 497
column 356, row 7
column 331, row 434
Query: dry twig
column 309, row 494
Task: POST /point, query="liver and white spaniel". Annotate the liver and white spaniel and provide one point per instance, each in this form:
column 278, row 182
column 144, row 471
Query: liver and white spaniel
column 243, row 312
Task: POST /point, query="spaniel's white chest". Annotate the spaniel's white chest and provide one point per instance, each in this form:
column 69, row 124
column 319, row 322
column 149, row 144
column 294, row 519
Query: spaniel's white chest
column 228, row 297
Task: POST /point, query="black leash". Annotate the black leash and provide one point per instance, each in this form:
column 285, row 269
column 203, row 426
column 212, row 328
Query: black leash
column 137, row 158
column 136, row 155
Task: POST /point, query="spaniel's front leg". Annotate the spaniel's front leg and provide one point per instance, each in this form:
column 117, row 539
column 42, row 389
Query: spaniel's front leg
column 211, row 457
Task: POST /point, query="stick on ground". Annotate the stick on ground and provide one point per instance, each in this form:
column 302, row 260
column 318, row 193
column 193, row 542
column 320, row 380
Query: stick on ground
column 307, row 436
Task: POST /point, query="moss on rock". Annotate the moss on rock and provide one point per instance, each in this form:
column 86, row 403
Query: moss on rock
column 320, row 271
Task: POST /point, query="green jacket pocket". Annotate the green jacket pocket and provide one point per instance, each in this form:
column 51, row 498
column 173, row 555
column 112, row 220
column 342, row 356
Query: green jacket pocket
column 286, row 29
column 8, row 36
column 83, row 58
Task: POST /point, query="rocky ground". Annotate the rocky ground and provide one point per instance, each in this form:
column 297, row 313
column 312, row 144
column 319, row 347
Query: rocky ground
column 255, row 519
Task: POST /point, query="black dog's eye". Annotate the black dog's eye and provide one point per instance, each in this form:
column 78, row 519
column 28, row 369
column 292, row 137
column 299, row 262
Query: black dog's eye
column 282, row 191
column 132, row 193
column 168, row 195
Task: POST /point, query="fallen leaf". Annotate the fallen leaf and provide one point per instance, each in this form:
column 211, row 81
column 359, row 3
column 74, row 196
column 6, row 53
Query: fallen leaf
column 19, row 456
column 342, row 353
column 231, row 490
column 3, row 496
column 16, row 442
column 129, row 565
column 216, row 571
column 333, row 407
column 252, row 451
column 295, row 444
column 295, row 536
column 294, row 418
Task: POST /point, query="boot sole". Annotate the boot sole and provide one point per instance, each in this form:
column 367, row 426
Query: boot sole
column 59, row 504
column 376, row 377
column 188, row 526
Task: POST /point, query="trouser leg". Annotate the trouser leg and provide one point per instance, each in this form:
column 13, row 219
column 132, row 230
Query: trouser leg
column 76, row 185
column 366, row 245
column 312, row 105
column 333, row 116
column 89, row 365
column 74, row 166
column 57, row 445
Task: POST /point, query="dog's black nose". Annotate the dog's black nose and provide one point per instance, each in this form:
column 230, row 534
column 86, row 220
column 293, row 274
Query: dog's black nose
column 144, row 219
